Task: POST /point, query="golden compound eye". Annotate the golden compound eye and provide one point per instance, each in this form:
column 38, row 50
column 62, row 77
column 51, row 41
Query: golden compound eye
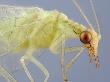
column 85, row 37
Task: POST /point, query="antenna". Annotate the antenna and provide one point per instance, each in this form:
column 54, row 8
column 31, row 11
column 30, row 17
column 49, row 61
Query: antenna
column 82, row 13
column 95, row 16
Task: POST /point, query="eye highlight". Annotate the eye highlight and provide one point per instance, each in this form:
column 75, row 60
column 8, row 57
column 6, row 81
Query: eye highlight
column 85, row 37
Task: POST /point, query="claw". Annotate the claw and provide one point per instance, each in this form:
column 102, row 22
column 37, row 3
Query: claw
column 98, row 65
column 65, row 80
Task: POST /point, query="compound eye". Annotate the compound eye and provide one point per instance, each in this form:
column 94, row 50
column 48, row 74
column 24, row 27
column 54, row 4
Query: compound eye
column 85, row 37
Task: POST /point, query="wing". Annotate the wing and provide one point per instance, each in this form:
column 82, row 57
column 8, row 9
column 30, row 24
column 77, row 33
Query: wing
column 17, row 23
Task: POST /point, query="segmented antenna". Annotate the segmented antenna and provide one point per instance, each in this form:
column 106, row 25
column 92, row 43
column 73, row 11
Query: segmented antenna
column 82, row 13
column 95, row 16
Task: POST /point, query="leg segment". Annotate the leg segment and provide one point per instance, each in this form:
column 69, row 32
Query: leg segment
column 57, row 46
column 62, row 59
column 60, row 39
column 29, row 57
column 41, row 67
column 6, row 75
column 23, row 61
column 66, row 69
column 80, row 49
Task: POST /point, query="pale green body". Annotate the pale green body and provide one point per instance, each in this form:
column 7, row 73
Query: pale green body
column 33, row 27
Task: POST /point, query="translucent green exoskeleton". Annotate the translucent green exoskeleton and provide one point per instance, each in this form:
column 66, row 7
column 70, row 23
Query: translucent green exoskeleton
column 34, row 28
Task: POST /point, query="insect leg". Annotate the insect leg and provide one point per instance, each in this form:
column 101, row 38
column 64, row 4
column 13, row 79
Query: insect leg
column 41, row 67
column 80, row 49
column 62, row 59
column 6, row 75
column 56, row 46
column 23, row 61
